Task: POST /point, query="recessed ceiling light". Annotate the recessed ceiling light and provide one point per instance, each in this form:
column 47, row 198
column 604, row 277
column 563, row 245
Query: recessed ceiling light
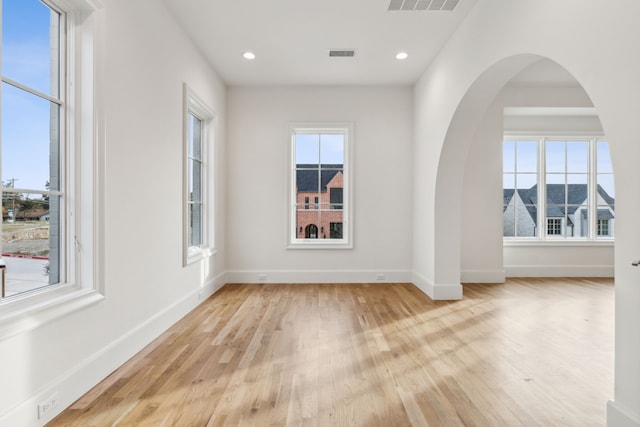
column 402, row 55
column 249, row 55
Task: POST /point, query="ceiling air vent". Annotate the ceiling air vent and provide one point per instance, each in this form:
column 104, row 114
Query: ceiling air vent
column 446, row 5
column 342, row 53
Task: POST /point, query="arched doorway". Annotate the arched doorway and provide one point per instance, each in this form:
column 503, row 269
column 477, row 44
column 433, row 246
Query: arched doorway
column 311, row 231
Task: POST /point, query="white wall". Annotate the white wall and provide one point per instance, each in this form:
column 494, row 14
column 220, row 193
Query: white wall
column 483, row 259
column 258, row 183
column 497, row 40
column 146, row 289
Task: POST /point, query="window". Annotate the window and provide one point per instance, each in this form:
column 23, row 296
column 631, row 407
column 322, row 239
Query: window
column 335, row 230
column 603, row 227
column 565, row 183
column 554, row 226
column 320, row 156
column 198, row 188
column 51, row 194
column 335, row 198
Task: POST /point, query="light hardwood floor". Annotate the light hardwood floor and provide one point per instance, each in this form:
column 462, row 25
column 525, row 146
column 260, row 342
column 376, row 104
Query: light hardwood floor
column 534, row 352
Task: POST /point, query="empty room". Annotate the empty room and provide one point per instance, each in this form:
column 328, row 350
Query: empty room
column 326, row 213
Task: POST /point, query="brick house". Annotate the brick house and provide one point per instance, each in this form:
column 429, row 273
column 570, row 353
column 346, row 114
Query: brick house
column 319, row 201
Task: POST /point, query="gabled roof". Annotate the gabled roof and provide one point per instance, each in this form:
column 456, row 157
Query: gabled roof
column 561, row 199
column 307, row 176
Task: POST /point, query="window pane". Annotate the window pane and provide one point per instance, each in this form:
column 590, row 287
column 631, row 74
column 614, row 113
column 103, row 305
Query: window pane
column 195, row 140
column 509, row 156
column 573, row 222
column 555, row 156
column 525, row 218
column 527, row 156
column 307, row 179
column 30, row 140
column 30, row 45
column 508, row 180
column 31, row 241
column 307, row 148
column 526, row 181
column 195, row 180
column 605, row 186
column 556, row 194
column 508, row 218
column 332, row 149
column 603, row 158
column 578, row 156
column 327, row 216
column 195, row 225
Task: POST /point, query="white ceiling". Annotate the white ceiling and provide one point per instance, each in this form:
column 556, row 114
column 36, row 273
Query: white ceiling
column 291, row 39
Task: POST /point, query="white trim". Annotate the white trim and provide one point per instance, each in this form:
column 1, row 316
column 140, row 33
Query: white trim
column 318, row 276
column 621, row 416
column 82, row 52
column 582, row 243
column 559, row 270
column 36, row 313
column 437, row 292
column 75, row 382
column 193, row 104
column 346, row 129
column 482, row 276
column 550, row 112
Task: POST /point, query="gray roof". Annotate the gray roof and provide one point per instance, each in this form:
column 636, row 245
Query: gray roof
column 561, row 199
column 307, row 176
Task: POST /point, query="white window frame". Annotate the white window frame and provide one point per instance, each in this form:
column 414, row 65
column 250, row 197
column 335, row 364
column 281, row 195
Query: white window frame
column 543, row 238
column 192, row 104
column 82, row 145
column 293, row 242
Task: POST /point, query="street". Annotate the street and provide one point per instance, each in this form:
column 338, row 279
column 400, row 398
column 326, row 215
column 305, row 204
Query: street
column 24, row 274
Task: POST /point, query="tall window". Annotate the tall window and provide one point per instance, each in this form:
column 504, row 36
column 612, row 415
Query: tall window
column 320, row 172
column 566, row 184
column 50, row 180
column 198, row 191
column 34, row 188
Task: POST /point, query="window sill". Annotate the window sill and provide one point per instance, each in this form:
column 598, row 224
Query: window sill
column 195, row 255
column 320, row 244
column 558, row 243
column 19, row 316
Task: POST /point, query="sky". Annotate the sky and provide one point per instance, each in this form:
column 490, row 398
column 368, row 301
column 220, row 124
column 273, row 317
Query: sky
column 566, row 161
column 25, row 117
column 319, row 148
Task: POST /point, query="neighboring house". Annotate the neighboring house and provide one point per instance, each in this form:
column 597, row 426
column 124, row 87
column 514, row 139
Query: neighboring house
column 319, row 214
column 567, row 211
column 32, row 215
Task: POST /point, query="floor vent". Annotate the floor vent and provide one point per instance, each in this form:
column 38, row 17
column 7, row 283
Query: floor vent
column 342, row 53
column 445, row 5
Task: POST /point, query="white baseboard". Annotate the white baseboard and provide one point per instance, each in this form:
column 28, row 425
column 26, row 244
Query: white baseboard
column 619, row 416
column 482, row 276
column 319, row 276
column 212, row 286
column 440, row 291
column 559, row 270
column 74, row 383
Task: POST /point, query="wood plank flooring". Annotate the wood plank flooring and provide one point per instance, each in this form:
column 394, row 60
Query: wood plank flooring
column 531, row 352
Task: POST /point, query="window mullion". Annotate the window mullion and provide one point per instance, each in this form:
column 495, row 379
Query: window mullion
column 593, row 190
column 542, row 179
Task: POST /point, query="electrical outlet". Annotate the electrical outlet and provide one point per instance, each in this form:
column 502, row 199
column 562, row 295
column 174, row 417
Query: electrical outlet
column 47, row 405
column 262, row 277
column 380, row 277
